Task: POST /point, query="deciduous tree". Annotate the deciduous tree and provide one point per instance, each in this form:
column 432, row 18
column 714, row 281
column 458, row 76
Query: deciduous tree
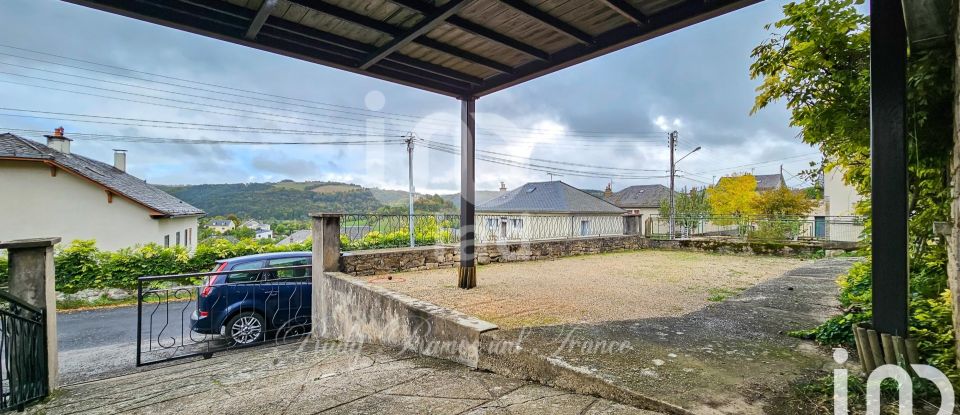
column 733, row 196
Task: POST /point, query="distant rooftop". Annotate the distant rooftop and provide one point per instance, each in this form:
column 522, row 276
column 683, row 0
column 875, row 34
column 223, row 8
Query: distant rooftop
column 766, row 181
column 106, row 175
column 547, row 197
column 641, row 196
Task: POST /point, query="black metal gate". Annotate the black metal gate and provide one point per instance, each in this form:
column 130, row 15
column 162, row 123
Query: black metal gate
column 189, row 315
column 23, row 353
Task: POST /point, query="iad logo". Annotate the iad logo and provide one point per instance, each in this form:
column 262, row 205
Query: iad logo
column 896, row 373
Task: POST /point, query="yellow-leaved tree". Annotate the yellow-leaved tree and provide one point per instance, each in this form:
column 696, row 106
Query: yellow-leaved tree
column 733, row 197
column 783, row 201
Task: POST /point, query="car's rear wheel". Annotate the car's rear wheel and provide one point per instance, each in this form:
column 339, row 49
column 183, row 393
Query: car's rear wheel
column 246, row 328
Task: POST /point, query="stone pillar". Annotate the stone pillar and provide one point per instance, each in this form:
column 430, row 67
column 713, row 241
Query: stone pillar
column 632, row 224
column 326, row 258
column 32, row 279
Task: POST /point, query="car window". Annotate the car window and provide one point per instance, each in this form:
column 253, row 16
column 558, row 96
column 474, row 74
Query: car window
column 245, row 276
column 288, row 262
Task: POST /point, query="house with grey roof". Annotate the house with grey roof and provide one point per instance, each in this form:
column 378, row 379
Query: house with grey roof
column 642, row 200
column 297, row 237
column 50, row 191
column 765, row 181
column 221, row 226
column 546, row 210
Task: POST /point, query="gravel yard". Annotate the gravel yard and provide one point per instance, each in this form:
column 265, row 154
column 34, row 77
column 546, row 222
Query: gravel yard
column 592, row 288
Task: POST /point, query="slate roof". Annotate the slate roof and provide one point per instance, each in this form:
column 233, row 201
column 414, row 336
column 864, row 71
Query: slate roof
column 296, row 237
column 769, row 181
column 765, row 181
column 118, row 182
column 547, row 197
column 641, row 196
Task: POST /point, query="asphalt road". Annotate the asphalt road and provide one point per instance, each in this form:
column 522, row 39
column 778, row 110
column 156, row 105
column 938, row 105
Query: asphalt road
column 95, row 344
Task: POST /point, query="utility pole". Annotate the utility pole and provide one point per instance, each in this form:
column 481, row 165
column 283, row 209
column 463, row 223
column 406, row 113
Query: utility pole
column 409, row 141
column 673, row 171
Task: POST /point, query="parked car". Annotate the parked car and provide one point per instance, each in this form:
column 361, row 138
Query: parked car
column 247, row 306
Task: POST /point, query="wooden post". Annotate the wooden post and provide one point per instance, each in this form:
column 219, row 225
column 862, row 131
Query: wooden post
column 888, row 155
column 467, row 272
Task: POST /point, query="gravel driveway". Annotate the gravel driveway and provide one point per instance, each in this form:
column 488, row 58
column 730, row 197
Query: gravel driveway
column 592, row 288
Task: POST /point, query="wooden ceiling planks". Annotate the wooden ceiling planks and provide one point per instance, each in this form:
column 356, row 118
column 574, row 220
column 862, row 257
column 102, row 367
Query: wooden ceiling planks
column 486, row 46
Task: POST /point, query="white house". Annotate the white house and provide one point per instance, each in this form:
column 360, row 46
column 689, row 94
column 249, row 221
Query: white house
column 255, row 225
column 840, row 199
column 840, row 221
column 49, row 191
column 221, row 226
column 263, row 234
column 546, row 210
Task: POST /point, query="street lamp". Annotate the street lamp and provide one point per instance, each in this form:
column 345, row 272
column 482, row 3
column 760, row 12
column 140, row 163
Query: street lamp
column 673, row 171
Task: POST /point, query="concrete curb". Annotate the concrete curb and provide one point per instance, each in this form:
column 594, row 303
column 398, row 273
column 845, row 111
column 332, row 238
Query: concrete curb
column 504, row 358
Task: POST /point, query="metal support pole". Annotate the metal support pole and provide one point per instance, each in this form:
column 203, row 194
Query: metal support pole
column 888, row 150
column 673, row 171
column 468, row 268
column 413, row 239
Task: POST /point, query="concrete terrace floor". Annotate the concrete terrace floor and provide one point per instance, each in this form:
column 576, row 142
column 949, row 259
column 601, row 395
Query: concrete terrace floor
column 731, row 357
column 319, row 377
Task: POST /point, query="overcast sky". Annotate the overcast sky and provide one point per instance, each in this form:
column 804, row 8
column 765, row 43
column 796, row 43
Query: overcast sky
column 695, row 81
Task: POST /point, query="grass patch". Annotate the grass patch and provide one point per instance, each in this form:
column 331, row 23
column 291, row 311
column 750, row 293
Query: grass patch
column 718, row 294
column 102, row 302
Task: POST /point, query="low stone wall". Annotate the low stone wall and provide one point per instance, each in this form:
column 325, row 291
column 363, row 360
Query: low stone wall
column 352, row 310
column 382, row 261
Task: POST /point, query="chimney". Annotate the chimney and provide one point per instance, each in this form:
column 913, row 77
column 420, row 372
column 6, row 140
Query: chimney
column 120, row 159
column 503, row 187
column 608, row 192
column 58, row 141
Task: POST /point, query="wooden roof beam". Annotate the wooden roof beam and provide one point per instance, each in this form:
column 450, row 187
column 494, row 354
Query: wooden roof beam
column 261, row 17
column 478, row 30
column 626, row 10
column 549, row 20
column 393, row 31
column 430, row 21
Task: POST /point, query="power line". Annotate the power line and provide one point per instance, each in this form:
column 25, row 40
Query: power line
column 539, row 167
column 757, row 163
column 169, row 140
column 139, row 122
column 345, row 109
column 543, row 160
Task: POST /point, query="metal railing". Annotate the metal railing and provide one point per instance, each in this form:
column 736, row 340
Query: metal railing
column 23, row 353
column 360, row 231
column 769, row 228
column 179, row 317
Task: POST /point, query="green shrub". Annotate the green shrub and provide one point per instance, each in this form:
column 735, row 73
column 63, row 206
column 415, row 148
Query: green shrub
column 428, row 231
column 81, row 265
column 4, row 269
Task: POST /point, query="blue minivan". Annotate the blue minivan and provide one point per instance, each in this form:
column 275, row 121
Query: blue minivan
column 247, row 306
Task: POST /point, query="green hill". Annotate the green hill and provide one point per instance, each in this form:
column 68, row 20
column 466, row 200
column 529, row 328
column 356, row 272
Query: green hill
column 288, row 199
column 279, row 201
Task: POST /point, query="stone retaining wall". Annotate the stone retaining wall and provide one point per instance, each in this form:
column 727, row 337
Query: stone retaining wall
column 382, row 261
column 351, row 310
